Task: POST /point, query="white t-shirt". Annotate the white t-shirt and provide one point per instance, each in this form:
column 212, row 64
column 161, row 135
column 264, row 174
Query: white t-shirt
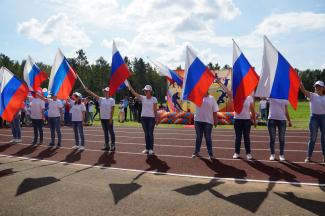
column 106, row 107
column 36, row 107
column 245, row 113
column 147, row 106
column 317, row 104
column 91, row 108
column 263, row 104
column 76, row 111
column 277, row 109
column 54, row 108
column 205, row 112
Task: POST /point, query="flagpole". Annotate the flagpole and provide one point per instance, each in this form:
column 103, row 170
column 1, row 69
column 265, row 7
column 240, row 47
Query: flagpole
column 82, row 83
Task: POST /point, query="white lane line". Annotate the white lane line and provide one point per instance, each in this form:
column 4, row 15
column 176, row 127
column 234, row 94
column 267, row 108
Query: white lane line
column 179, row 146
column 174, row 174
column 173, row 156
column 163, row 138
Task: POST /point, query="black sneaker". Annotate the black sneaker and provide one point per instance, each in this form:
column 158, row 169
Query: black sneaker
column 51, row 144
column 112, row 149
column 59, row 145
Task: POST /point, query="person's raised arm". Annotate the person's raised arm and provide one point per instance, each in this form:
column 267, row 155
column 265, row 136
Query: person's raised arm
column 92, row 93
column 304, row 91
column 133, row 92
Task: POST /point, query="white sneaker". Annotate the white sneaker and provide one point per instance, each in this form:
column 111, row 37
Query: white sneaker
column 249, row 157
column 75, row 147
column 151, row 152
column 13, row 141
column 145, row 151
column 307, row 160
column 18, row 140
column 82, row 148
column 272, row 157
column 282, row 158
column 235, row 156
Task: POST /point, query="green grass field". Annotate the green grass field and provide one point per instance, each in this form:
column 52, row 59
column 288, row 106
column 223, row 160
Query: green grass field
column 299, row 117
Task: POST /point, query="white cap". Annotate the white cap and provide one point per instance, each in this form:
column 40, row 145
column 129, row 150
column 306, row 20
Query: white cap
column 106, row 89
column 77, row 94
column 320, row 83
column 147, row 88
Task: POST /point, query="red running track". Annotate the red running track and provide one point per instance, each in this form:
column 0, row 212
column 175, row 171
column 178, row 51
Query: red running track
column 173, row 148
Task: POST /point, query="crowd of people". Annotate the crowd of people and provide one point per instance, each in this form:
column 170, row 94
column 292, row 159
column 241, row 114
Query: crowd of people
column 77, row 111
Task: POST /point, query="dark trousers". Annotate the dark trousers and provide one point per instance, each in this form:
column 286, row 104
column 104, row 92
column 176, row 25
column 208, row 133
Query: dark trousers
column 78, row 131
column 272, row 124
column 55, row 125
column 38, row 129
column 148, row 125
column 200, row 129
column 126, row 113
column 242, row 128
column 15, row 127
column 316, row 121
column 108, row 128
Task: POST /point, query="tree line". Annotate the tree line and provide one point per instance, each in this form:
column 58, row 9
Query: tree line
column 96, row 75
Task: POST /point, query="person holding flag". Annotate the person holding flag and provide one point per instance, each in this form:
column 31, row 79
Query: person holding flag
column 197, row 81
column 317, row 117
column 55, row 107
column 106, row 107
column 78, row 111
column 37, row 108
column 244, row 81
column 149, row 116
column 280, row 83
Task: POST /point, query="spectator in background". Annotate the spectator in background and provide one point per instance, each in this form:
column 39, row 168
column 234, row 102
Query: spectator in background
column 67, row 117
column 131, row 105
column 97, row 109
column 91, row 112
column 121, row 114
column 136, row 108
column 263, row 108
column 125, row 106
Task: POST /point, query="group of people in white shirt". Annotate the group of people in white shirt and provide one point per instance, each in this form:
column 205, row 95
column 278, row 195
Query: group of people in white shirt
column 278, row 119
column 204, row 119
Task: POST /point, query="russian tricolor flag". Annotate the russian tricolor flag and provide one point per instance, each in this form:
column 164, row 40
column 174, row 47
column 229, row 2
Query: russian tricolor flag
column 278, row 78
column 13, row 92
column 119, row 71
column 62, row 77
column 197, row 78
column 33, row 75
column 244, row 78
column 171, row 75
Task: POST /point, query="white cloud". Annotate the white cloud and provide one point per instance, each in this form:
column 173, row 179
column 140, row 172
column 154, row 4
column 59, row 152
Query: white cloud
column 287, row 22
column 56, row 28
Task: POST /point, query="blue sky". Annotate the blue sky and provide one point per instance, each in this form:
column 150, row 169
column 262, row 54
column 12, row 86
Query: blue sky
column 161, row 29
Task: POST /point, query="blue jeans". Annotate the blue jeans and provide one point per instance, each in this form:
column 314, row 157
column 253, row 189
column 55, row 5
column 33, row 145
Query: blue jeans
column 200, row 129
column 242, row 127
column 107, row 127
column 272, row 124
column 15, row 127
column 55, row 125
column 263, row 113
column 38, row 129
column 316, row 121
column 148, row 125
column 78, row 130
